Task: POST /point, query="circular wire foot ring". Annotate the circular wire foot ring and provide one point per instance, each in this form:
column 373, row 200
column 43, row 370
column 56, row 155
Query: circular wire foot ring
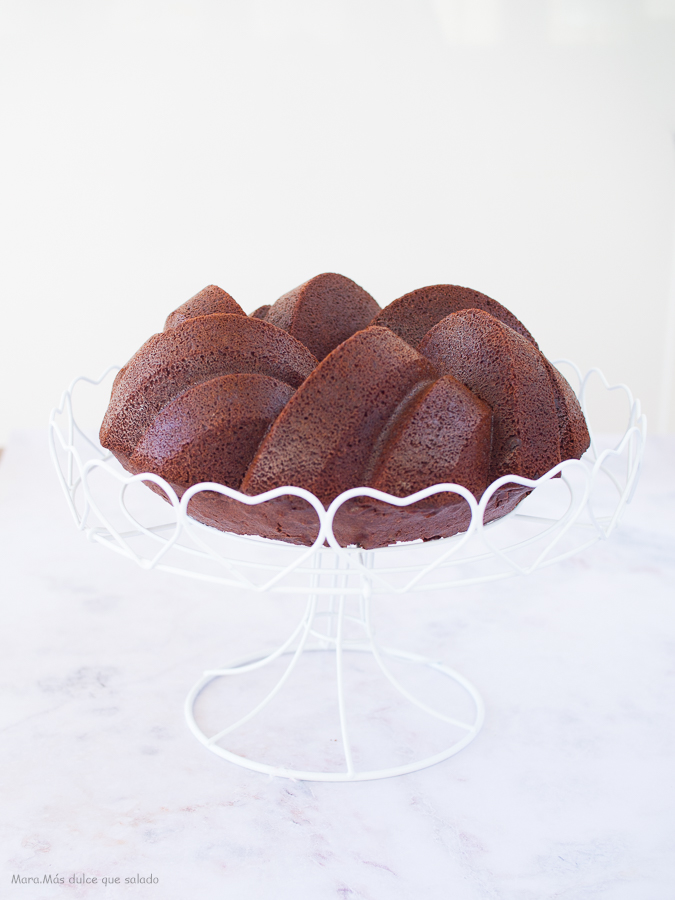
column 472, row 729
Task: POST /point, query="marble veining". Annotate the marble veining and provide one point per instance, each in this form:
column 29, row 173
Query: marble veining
column 568, row 792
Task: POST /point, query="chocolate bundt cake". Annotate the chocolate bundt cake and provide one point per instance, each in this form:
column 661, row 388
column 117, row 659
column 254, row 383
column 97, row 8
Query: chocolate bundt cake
column 325, row 391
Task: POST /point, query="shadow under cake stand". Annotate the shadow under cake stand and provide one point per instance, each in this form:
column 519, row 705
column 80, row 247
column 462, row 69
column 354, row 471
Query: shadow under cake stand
column 381, row 699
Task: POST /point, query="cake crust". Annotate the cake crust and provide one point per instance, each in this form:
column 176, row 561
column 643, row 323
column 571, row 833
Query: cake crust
column 323, row 312
column 414, row 314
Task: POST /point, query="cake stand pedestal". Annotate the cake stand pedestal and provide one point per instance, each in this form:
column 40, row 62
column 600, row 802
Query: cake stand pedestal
column 378, row 699
column 332, row 640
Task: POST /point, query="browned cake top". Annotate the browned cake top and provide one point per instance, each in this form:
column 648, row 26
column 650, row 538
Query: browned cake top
column 507, row 372
column 323, row 312
column 192, row 352
column 210, row 300
column 413, row 314
column 327, row 433
column 212, row 431
column 443, row 435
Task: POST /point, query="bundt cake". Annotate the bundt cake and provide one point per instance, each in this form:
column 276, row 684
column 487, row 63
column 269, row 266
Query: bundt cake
column 325, row 391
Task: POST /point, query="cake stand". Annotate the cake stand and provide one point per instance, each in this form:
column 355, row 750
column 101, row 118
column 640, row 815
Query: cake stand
column 379, row 697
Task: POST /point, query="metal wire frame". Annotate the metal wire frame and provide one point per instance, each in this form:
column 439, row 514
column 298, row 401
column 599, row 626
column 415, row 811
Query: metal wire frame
column 306, row 628
column 335, row 576
column 181, row 547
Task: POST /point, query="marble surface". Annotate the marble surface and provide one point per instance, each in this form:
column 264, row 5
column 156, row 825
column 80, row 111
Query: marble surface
column 567, row 792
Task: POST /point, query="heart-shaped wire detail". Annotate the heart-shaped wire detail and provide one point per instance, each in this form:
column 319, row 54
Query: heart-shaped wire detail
column 77, row 457
column 233, row 494
column 356, row 562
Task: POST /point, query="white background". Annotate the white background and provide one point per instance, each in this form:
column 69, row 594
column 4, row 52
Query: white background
column 520, row 147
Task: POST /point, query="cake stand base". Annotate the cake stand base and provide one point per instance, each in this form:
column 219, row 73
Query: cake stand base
column 392, row 717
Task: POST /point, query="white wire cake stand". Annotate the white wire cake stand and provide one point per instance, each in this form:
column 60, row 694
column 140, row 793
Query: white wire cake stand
column 571, row 507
